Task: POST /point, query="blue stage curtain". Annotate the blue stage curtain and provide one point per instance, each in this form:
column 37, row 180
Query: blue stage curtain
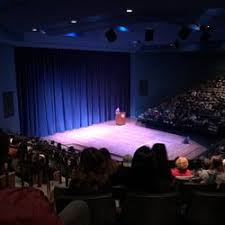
column 60, row 90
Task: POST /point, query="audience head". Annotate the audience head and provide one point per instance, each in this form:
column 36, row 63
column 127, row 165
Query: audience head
column 91, row 160
column 206, row 163
column 144, row 170
column 160, row 152
column 162, row 160
column 109, row 165
column 105, row 152
column 71, row 149
column 59, row 146
column 216, row 163
column 140, row 156
column 182, row 163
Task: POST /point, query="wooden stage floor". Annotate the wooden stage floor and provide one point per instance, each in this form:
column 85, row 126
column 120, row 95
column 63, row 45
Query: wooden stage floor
column 121, row 140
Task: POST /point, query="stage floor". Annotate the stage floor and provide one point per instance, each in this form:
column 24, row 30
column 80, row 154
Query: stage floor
column 125, row 139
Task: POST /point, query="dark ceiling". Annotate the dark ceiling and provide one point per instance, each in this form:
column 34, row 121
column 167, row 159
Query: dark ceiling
column 94, row 18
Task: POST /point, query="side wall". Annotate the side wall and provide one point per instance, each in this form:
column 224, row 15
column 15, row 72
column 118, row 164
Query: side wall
column 169, row 74
column 8, row 83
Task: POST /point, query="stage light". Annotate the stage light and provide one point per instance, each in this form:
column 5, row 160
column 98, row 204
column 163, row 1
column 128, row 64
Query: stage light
column 129, row 10
column 194, row 27
column 205, row 28
column 122, row 29
column 71, row 34
column 73, row 21
column 34, row 29
column 149, row 33
column 110, row 35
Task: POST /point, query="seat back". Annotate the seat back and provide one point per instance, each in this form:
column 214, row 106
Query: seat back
column 207, row 208
column 102, row 207
column 189, row 188
column 151, row 209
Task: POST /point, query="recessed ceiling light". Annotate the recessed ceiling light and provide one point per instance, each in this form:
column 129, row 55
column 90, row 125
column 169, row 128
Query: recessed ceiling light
column 70, row 34
column 129, row 10
column 122, row 29
column 34, row 29
column 73, row 21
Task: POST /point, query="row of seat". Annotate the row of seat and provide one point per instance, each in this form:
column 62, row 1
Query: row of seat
column 204, row 208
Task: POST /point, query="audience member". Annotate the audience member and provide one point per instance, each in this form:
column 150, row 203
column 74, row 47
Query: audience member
column 164, row 171
column 181, row 168
column 91, row 177
column 144, row 177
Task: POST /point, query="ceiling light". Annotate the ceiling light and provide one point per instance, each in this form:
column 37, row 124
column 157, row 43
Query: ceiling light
column 73, row 21
column 70, row 34
column 129, row 10
column 122, row 29
column 194, row 27
column 34, row 29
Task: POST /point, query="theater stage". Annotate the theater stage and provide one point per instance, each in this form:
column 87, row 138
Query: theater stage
column 125, row 139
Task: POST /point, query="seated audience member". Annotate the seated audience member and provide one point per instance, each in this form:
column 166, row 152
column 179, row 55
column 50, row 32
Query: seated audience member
column 202, row 173
column 215, row 173
column 181, row 168
column 162, row 160
column 29, row 206
column 144, row 171
column 122, row 176
column 110, row 164
column 164, row 171
column 91, row 177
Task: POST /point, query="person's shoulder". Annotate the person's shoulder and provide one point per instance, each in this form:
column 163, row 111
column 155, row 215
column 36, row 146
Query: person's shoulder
column 29, row 204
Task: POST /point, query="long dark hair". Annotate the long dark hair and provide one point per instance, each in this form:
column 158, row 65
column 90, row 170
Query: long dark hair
column 162, row 160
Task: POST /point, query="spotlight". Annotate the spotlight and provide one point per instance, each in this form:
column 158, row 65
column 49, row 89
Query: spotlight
column 184, row 32
column 129, row 10
column 205, row 28
column 73, row 21
column 110, row 35
column 34, row 29
column 149, row 33
column 122, row 29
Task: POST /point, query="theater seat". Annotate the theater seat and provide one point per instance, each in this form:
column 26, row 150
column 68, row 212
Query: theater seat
column 102, row 207
column 189, row 188
column 151, row 209
column 207, row 209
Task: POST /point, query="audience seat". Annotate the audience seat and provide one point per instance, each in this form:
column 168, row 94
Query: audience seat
column 151, row 209
column 188, row 189
column 102, row 207
column 207, row 208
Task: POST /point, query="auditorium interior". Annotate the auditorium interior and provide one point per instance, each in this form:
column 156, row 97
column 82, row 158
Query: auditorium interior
column 112, row 112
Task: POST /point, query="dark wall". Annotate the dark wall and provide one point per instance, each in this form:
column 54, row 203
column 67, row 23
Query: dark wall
column 168, row 74
column 8, row 84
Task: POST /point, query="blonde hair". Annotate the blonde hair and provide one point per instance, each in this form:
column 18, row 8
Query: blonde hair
column 182, row 163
